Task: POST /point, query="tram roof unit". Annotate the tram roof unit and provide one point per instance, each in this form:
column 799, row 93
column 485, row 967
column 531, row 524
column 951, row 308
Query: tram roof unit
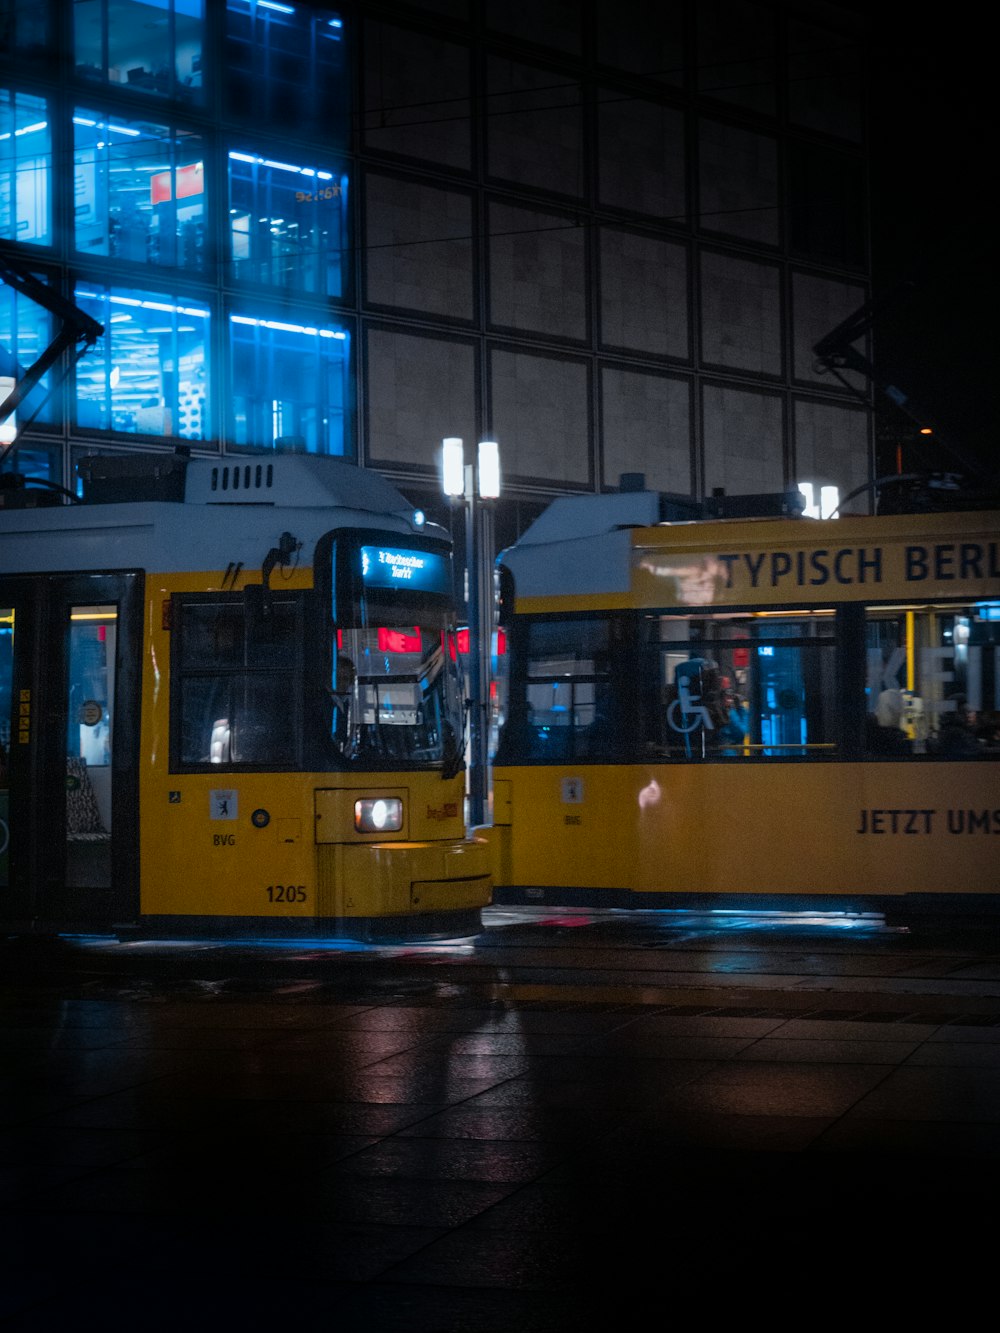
column 183, row 514
column 588, row 538
column 619, row 549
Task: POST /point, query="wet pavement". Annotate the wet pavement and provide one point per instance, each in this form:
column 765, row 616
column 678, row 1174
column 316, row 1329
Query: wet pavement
column 562, row 1123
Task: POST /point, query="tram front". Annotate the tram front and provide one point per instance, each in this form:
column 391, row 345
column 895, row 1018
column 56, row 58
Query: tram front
column 390, row 827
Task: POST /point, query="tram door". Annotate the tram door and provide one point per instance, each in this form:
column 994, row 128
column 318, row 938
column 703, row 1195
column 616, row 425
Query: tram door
column 69, row 692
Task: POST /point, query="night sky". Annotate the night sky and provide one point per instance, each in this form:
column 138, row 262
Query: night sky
column 934, row 250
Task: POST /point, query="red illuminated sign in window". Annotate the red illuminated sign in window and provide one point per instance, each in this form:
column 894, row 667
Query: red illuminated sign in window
column 398, row 641
column 460, row 642
column 190, row 180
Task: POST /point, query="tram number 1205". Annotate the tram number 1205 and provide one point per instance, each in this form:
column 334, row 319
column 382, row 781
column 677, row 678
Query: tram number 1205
column 286, row 893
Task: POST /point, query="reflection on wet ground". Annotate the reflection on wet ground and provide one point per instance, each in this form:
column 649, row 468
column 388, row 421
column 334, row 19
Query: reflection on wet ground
column 542, row 1127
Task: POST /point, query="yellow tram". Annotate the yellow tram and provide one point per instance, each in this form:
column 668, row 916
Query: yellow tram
column 749, row 712
column 229, row 705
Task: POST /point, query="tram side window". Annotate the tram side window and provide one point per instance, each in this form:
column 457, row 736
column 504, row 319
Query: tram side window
column 932, row 684
column 739, row 687
column 236, row 684
column 569, row 690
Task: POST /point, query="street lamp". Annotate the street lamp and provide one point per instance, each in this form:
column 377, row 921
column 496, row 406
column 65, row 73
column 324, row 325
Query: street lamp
column 827, row 504
column 477, row 485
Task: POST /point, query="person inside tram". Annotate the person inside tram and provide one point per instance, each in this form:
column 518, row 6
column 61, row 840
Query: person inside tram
column 885, row 725
column 955, row 737
column 736, row 728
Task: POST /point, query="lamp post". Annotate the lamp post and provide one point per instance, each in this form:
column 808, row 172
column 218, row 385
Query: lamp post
column 477, row 485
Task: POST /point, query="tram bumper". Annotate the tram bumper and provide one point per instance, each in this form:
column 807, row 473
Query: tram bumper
column 378, row 879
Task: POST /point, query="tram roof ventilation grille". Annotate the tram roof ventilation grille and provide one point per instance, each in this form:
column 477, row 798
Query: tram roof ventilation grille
column 296, row 481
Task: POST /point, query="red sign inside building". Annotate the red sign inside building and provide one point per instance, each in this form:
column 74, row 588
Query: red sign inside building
column 190, row 180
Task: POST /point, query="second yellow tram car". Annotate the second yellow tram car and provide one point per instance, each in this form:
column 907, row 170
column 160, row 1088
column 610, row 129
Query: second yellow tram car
column 749, row 712
column 229, row 705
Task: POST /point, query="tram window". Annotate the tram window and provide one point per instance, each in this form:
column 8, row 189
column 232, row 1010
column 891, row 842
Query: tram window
column 739, row 687
column 569, row 690
column 6, row 684
column 223, row 637
column 236, row 720
column 92, row 635
column 394, row 693
column 932, row 680
column 237, row 683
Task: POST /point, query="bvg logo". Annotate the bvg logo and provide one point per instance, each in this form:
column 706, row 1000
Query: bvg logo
column 223, row 839
column 447, row 811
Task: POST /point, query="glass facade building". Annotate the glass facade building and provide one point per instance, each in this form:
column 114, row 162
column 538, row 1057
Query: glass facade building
column 606, row 234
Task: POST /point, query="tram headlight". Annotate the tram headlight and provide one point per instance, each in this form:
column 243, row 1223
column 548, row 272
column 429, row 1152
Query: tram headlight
column 380, row 814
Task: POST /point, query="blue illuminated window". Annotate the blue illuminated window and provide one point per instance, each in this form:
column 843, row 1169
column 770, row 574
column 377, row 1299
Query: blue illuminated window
column 139, row 191
column 26, row 330
column 147, row 47
column 289, row 385
column 25, row 168
column 285, row 66
column 148, row 374
column 287, row 224
column 37, row 461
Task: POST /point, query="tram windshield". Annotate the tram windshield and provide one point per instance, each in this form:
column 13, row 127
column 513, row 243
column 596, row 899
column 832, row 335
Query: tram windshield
column 395, row 693
column 394, row 688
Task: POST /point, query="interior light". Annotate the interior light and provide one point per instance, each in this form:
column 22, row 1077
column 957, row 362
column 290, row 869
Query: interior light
column 288, row 328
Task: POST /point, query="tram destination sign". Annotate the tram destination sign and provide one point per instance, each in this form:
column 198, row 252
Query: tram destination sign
column 405, row 568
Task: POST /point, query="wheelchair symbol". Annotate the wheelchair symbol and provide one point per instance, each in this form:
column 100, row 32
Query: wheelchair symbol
column 686, row 713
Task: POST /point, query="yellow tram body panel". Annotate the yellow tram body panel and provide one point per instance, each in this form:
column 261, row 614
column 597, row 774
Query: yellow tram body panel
column 237, row 695
column 284, row 845
column 736, row 709
column 793, row 829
